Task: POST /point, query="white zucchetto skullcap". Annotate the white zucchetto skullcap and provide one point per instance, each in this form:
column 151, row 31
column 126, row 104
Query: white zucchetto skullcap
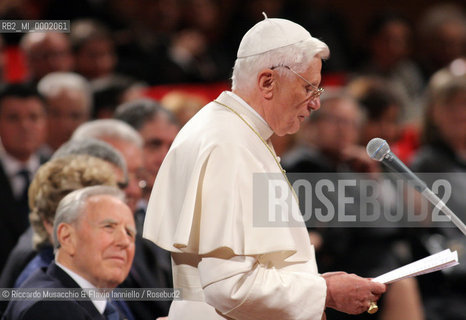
column 270, row 34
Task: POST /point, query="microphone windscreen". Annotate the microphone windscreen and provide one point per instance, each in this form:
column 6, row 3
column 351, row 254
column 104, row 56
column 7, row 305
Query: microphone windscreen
column 377, row 148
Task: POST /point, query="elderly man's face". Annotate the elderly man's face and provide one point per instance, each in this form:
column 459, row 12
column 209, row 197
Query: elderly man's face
column 104, row 242
column 291, row 103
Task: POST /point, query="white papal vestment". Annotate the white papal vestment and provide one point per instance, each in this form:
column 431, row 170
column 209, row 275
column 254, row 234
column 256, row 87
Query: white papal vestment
column 201, row 210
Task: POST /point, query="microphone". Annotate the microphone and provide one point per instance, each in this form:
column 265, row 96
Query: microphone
column 378, row 149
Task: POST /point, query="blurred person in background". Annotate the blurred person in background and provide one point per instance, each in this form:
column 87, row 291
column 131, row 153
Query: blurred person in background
column 329, row 137
column 382, row 107
column 93, row 49
column 110, row 92
column 128, row 142
column 443, row 156
column 96, row 59
column 157, row 127
column 69, row 104
column 46, row 52
column 442, row 36
column 22, row 132
column 389, row 55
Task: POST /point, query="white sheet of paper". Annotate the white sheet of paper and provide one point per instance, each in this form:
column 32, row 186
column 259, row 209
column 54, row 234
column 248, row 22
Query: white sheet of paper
column 434, row 262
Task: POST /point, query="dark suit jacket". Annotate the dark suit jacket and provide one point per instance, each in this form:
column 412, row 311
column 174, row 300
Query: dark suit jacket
column 149, row 270
column 19, row 257
column 12, row 224
column 52, row 277
column 13, row 221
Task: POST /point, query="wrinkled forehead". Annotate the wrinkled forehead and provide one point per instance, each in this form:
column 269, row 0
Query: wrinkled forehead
column 100, row 207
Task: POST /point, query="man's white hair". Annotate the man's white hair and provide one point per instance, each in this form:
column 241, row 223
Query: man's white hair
column 71, row 207
column 54, row 82
column 297, row 56
column 108, row 128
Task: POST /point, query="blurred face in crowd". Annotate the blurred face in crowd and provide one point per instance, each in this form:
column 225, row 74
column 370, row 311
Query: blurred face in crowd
column 100, row 243
column 136, row 173
column 96, row 58
column 337, row 126
column 450, row 119
column 65, row 112
column 448, row 42
column 48, row 52
column 387, row 126
column 158, row 135
column 293, row 99
column 22, row 126
column 391, row 44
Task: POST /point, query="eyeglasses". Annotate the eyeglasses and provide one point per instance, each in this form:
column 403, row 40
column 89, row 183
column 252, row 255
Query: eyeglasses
column 142, row 176
column 312, row 94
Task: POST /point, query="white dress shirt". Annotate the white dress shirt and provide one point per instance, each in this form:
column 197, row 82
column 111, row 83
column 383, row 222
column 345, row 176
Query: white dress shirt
column 83, row 283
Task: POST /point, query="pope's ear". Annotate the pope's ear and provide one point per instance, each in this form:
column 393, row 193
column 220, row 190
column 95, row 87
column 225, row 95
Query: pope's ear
column 266, row 83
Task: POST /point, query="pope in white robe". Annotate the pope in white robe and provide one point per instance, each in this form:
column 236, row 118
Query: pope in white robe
column 202, row 210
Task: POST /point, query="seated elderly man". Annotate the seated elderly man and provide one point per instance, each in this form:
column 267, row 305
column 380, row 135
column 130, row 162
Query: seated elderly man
column 151, row 267
column 53, row 181
column 94, row 235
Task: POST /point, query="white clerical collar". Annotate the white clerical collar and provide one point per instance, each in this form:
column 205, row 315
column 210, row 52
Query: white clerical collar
column 259, row 122
column 83, row 283
column 246, row 105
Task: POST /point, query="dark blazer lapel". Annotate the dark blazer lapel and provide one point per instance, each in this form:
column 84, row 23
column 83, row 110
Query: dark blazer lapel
column 58, row 273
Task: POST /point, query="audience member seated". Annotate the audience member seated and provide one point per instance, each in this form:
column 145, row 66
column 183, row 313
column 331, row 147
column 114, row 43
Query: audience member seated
column 46, row 52
column 157, row 127
column 442, row 36
column 151, row 267
column 22, row 132
column 112, row 91
column 382, row 107
column 92, row 226
column 128, row 142
column 69, row 104
column 52, row 182
column 93, row 49
column 443, row 155
column 389, row 55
